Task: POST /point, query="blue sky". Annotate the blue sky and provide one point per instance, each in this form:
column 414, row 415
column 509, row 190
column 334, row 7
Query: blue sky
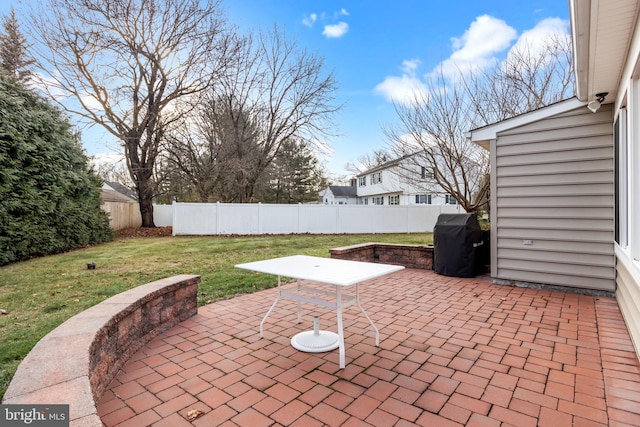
column 381, row 50
column 383, row 46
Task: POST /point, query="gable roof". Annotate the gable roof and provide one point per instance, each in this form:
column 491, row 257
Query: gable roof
column 343, row 190
column 119, row 188
column 109, row 195
column 385, row 165
column 483, row 136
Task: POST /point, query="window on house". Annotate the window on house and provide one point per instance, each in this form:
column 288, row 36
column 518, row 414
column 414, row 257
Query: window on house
column 423, row 199
column 425, row 173
column 450, row 200
column 376, row 178
column 362, row 181
column 632, row 196
column 621, row 179
column 394, row 200
column 378, row 200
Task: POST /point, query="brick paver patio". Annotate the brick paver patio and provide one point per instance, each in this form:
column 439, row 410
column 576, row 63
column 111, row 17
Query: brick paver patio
column 453, row 352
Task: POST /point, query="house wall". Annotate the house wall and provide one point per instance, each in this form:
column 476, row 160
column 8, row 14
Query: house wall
column 328, row 198
column 390, row 184
column 628, row 250
column 402, row 179
column 553, row 201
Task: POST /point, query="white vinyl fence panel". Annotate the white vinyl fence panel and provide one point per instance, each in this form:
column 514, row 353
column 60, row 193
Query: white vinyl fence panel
column 163, row 215
column 242, row 219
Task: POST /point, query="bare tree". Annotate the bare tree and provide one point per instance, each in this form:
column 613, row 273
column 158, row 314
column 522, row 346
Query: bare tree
column 370, row 161
column 432, row 135
column 127, row 64
column 272, row 92
column 529, row 78
column 215, row 149
column 111, row 169
column 432, row 127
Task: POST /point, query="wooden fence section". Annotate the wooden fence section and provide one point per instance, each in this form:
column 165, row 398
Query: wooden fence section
column 122, row 214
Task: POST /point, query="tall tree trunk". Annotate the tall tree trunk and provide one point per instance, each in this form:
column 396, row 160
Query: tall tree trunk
column 145, row 199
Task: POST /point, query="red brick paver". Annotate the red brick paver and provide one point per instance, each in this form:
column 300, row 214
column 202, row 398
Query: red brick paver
column 453, row 352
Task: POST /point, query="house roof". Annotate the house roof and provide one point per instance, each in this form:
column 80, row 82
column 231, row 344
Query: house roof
column 385, row 165
column 119, row 188
column 602, row 37
column 483, row 136
column 601, row 32
column 343, row 190
column 109, row 195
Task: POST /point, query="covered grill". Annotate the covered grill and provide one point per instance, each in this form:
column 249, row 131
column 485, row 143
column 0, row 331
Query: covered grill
column 458, row 245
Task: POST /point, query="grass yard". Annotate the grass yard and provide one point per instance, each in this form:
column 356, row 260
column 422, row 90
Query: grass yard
column 39, row 294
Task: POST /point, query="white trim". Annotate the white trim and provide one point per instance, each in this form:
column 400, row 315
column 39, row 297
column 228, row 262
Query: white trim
column 580, row 36
column 623, row 171
column 485, row 134
column 622, row 256
column 633, row 163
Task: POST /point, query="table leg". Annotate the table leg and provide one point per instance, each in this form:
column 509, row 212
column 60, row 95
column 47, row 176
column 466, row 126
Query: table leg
column 299, row 304
column 340, row 330
column 367, row 316
column 270, row 310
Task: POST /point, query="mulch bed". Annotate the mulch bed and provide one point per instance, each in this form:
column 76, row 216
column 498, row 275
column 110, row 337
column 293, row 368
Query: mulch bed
column 144, row 232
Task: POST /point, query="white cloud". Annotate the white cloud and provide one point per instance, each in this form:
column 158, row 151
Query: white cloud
column 535, row 39
column 405, row 88
column 335, row 31
column 485, row 38
column 409, row 66
column 308, row 21
column 107, row 159
column 51, row 86
column 486, row 41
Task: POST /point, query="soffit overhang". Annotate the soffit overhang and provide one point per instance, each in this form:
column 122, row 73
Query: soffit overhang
column 601, row 32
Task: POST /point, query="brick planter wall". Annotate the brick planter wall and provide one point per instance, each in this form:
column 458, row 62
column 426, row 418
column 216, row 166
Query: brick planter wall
column 75, row 362
column 410, row 256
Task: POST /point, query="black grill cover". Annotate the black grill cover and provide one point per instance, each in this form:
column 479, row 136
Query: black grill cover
column 457, row 245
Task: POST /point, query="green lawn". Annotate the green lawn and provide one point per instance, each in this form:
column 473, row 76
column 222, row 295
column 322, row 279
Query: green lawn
column 39, row 294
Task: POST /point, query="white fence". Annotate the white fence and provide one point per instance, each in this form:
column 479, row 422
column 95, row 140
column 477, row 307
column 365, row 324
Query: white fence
column 240, row 218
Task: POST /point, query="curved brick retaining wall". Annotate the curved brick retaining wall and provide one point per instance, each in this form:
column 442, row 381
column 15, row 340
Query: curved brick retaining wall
column 75, row 362
column 410, row 256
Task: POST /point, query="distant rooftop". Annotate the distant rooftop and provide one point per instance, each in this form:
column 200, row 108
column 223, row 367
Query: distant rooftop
column 343, row 190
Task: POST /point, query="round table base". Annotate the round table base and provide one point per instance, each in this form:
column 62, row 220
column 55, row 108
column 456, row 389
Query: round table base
column 315, row 341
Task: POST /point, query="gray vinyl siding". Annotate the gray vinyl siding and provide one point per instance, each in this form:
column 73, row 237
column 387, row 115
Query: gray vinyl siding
column 554, row 186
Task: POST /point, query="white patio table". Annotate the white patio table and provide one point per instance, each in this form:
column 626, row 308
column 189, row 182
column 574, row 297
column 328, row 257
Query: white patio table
column 327, row 271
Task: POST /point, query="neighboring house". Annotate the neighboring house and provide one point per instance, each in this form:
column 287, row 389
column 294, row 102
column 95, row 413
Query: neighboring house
column 121, row 205
column 114, row 192
column 565, row 182
column 400, row 182
column 339, row 195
